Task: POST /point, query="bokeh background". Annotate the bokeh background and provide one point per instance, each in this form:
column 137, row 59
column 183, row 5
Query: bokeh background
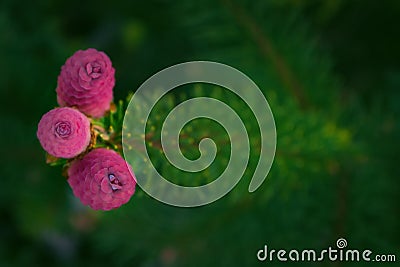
column 330, row 70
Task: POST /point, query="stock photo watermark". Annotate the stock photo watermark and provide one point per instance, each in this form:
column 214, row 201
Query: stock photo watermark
column 338, row 253
column 153, row 89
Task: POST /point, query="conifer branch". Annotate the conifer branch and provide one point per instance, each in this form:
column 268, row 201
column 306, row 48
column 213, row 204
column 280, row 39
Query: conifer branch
column 268, row 50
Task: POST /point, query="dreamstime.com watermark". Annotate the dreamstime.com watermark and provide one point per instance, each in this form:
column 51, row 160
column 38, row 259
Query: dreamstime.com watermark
column 338, row 253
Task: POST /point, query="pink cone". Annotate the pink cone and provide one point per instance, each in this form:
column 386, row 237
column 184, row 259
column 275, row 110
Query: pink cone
column 86, row 82
column 102, row 179
column 64, row 132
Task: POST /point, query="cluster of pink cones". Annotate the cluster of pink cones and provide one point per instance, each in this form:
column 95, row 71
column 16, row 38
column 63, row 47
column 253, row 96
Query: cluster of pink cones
column 99, row 177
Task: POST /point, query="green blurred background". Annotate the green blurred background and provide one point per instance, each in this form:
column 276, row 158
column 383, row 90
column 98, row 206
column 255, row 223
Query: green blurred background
column 330, row 70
